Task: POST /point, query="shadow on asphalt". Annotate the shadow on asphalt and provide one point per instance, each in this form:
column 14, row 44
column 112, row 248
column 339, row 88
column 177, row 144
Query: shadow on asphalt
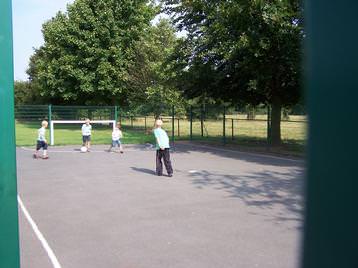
column 144, row 170
column 267, row 190
column 224, row 151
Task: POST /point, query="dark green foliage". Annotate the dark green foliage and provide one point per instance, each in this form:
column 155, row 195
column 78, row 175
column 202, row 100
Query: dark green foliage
column 26, row 93
column 88, row 51
column 245, row 50
column 151, row 73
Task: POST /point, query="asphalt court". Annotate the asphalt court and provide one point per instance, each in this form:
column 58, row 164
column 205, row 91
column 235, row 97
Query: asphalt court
column 221, row 208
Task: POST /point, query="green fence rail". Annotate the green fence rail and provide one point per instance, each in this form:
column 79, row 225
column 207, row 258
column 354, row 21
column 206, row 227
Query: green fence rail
column 210, row 123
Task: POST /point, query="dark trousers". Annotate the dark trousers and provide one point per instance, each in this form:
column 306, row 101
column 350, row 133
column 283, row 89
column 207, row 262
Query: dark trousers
column 168, row 165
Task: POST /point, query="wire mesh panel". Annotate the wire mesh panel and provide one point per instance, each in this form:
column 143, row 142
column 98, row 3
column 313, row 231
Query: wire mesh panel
column 83, row 112
column 209, row 122
column 143, row 120
column 294, row 129
column 31, row 113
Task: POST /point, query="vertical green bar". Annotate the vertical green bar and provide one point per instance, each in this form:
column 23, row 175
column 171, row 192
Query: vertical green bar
column 202, row 122
column 116, row 113
column 9, row 233
column 191, row 122
column 232, row 129
column 145, row 124
column 331, row 223
column 224, row 125
column 49, row 119
column 268, row 124
column 173, row 123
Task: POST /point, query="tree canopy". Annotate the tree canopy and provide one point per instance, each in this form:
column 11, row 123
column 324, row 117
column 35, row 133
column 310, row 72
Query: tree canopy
column 151, row 73
column 88, row 51
column 108, row 52
column 240, row 51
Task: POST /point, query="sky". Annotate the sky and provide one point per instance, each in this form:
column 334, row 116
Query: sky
column 28, row 17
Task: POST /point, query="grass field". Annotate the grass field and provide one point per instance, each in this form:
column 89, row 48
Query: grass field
column 26, row 135
column 291, row 131
column 138, row 130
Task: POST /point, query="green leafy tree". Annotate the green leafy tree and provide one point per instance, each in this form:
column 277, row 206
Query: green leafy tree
column 151, row 73
column 245, row 50
column 26, row 94
column 88, row 50
column 21, row 90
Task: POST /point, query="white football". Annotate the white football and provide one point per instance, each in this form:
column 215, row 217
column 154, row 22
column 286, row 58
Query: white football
column 83, row 149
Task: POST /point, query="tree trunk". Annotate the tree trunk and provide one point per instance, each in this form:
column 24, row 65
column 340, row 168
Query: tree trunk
column 276, row 122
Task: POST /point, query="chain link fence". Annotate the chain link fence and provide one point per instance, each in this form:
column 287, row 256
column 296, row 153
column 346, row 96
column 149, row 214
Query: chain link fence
column 210, row 123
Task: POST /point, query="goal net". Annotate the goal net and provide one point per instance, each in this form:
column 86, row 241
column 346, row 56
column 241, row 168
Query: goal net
column 53, row 122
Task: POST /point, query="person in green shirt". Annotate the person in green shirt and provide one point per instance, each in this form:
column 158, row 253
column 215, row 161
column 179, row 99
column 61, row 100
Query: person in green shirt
column 162, row 152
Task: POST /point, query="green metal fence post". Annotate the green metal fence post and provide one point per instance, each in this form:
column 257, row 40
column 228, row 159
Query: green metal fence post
column 178, row 127
column 9, row 233
column 49, row 120
column 116, row 113
column 173, row 123
column 224, row 125
column 268, row 124
column 232, row 129
column 202, row 121
column 191, row 122
column 145, row 124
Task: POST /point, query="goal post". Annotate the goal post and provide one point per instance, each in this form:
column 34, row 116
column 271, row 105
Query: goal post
column 53, row 122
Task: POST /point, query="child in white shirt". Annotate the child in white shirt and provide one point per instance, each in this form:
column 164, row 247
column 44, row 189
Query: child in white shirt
column 116, row 138
column 86, row 134
column 41, row 141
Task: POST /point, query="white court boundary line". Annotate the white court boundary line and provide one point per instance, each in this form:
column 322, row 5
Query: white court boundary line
column 242, row 152
column 147, row 148
column 64, row 151
column 39, row 235
column 150, row 147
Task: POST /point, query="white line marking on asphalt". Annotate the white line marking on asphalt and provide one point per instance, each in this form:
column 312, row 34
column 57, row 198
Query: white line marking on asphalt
column 91, row 151
column 39, row 235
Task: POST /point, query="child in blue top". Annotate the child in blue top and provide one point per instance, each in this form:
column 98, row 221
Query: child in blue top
column 162, row 146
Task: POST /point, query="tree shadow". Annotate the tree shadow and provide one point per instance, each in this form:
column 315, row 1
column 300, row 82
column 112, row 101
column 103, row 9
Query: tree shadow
column 226, row 152
column 280, row 193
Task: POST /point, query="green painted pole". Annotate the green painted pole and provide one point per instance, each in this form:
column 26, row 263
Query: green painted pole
column 116, row 113
column 9, row 230
column 145, row 124
column 49, row 120
column 232, row 129
column 224, row 125
column 173, row 123
column 331, row 221
column 202, row 122
column 268, row 124
column 191, row 122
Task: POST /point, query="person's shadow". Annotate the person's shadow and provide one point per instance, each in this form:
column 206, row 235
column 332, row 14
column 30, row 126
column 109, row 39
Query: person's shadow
column 144, row 170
